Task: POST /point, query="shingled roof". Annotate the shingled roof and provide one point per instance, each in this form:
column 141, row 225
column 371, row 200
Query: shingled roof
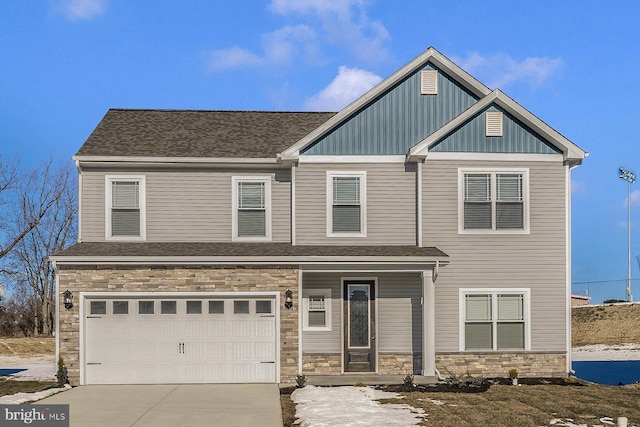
column 228, row 249
column 189, row 133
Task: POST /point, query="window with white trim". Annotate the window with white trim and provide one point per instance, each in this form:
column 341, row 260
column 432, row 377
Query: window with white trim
column 125, row 207
column 251, row 208
column 494, row 320
column 495, row 201
column 346, row 204
column 316, row 309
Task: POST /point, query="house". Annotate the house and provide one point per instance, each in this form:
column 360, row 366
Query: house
column 578, row 300
column 424, row 228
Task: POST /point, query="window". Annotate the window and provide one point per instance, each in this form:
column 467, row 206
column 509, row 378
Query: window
column 98, row 307
column 494, row 320
column 316, row 305
column 263, row 307
column 168, row 307
column 125, row 208
column 145, row 307
column 121, row 307
column 346, row 204
column 251, row 208
column 216, row 307
column 241, row 307
column 194, row 307
column 493, row 201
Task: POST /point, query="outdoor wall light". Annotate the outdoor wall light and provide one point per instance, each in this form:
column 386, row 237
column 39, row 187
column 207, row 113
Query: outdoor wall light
column 68, row 300
column 288, row 299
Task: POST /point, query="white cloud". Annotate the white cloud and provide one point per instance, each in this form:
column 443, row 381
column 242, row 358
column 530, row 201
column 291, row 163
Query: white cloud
column 634, row 198
column 82, row 9
column 500, row 70
column 231, row 58
column 349, row 84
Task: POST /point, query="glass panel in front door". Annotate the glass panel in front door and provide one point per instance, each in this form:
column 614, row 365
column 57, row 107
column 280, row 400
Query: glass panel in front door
column 359, row 316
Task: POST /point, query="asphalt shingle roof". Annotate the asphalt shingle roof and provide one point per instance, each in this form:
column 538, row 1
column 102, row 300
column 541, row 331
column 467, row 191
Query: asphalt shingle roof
column 189, row 133
column 266, row 250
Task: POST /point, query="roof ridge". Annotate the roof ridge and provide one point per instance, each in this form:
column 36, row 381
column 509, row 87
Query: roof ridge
column 169, row 110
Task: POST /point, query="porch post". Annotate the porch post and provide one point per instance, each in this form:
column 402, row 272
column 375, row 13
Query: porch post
column 428, row 324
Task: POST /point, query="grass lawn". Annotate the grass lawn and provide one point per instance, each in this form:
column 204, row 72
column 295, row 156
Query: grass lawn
column 27, row 347
column 526, row 405
column 9, row 387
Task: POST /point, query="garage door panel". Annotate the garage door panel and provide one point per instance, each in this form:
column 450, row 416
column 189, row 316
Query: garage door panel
column 203, row 342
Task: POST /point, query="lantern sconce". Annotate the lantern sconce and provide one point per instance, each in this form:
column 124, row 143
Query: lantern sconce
column 68, row 300
column 288, row 299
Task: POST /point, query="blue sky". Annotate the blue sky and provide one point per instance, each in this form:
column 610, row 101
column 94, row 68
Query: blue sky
column 574, row 64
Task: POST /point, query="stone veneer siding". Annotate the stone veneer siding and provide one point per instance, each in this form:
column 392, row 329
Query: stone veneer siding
column 388, row 364
column 178, row 279
column 321, row 364
column 498, row 364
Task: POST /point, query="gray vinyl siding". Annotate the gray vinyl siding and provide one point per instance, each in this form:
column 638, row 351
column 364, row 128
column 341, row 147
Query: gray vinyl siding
column 516, row 138
column 390, row 199
column 536, row 260
column 186, row 206
column 398, row 119
column 399, row 312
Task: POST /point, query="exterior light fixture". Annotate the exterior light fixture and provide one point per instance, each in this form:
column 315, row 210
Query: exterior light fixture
column 288, row 299
column 68, row 300
column 630, row 177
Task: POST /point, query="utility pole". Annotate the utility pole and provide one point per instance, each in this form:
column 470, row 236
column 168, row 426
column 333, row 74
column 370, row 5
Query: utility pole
column 630, row 177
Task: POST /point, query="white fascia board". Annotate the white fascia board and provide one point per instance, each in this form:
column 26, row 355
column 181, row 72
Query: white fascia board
column 352, row 159
column 429, row 55
column 253, row 260
column 133, row 161
column 495, row 157
column 572, row 152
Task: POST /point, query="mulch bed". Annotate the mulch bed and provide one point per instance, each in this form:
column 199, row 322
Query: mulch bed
column 474, row 385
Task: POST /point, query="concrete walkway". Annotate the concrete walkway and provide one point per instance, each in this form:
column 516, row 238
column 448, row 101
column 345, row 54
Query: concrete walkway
column 172, row 405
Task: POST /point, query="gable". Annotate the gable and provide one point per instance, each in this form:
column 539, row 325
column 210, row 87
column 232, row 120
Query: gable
column 471, row 137
column 397, row 119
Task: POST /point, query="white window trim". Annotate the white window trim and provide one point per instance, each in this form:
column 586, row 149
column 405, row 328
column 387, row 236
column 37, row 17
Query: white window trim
column 267, row 206
column 525, row 292
column 363, row 203
column 493, row 171
column 143, row 210
column 305, row 309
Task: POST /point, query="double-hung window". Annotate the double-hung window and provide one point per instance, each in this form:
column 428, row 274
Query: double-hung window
column 251, row 208
column 346, row 204
column 494, row 319
column 316, row 309
column 494, row 201
column 125, row 208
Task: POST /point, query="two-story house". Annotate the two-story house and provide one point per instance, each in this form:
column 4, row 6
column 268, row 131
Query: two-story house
column 424, row 228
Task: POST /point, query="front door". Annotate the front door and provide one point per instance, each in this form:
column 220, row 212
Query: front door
column 359, row 334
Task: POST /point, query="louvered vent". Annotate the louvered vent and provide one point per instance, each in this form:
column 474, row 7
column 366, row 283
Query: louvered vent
column 494, row 123
column 429, row 82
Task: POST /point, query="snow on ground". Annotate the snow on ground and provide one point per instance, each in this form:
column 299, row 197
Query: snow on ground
column 601, row 352
column 351, row 406
column 40, row 368
column 31, row 397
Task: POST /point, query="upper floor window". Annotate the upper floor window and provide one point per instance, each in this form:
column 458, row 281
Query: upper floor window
column 251, row 208
column 493, row 201
column 494, row 319
column 125, row 213
column 346, row 204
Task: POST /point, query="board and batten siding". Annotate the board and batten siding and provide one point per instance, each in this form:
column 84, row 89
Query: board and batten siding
column 390, row 199
column 399, row 312
column 536, row 260
column 185, row 206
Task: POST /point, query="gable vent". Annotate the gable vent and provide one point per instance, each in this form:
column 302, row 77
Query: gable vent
column 428, row 82
column 494, row 123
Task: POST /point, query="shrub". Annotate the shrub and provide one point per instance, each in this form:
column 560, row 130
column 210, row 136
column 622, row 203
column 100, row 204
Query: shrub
column 301, row 380
column 61, row 374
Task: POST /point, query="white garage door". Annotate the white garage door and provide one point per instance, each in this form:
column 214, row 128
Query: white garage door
column 138, row 340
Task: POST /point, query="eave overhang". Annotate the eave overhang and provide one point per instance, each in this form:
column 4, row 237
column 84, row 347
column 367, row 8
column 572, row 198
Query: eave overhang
column 177, row 162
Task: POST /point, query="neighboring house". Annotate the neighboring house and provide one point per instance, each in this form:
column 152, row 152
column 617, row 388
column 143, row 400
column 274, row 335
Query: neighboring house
column 578, row 300
column 424, row 228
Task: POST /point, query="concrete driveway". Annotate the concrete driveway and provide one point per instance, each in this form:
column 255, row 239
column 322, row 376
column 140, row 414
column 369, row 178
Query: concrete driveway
column 172, row 405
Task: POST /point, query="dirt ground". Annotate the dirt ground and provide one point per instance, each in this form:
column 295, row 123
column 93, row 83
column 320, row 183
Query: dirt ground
column 609, row 324
column 27, row 347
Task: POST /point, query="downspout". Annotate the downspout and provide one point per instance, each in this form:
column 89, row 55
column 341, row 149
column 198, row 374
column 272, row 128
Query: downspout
column 568, row 169
column 79, row 201
column 57, row 293
column 293, row 204
column 299, row 320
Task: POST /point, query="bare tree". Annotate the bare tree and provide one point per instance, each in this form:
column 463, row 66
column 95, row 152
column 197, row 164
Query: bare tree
column 44, row 219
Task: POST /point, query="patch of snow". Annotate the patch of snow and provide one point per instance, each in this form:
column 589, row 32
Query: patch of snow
column 40, row 368
column 601, row 352
column 31, row 397
column 352, row 406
